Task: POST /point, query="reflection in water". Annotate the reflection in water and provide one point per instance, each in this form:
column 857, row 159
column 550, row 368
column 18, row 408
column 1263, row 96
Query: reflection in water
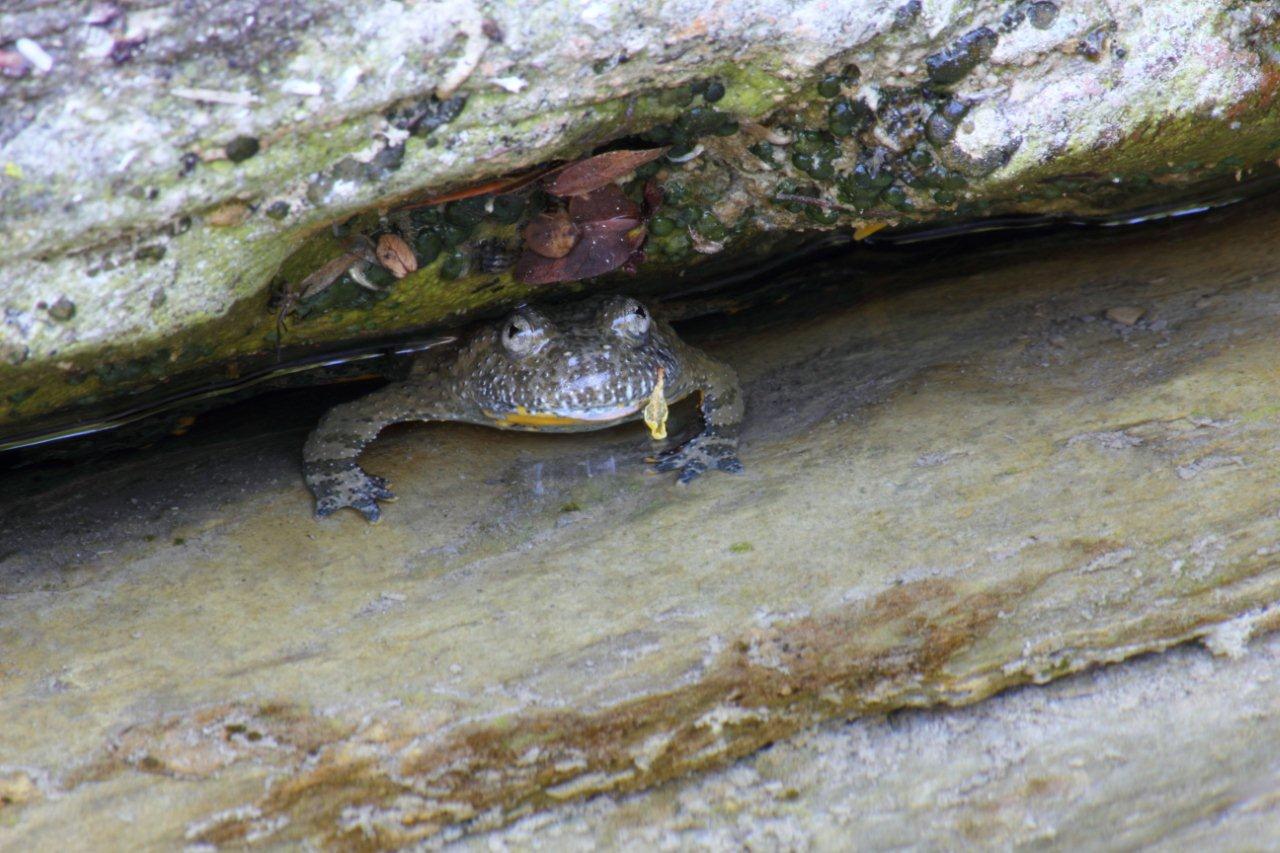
column 537, row 477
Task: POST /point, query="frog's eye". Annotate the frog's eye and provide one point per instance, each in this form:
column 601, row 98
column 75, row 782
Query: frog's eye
column 630, row 319
column 523, row 334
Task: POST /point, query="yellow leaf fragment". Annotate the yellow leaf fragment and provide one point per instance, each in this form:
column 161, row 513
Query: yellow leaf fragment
column 866, row 229
column 655, row 411
column 228, row 215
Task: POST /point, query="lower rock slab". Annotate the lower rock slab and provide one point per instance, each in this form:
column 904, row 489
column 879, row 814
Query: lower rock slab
column 952, row 487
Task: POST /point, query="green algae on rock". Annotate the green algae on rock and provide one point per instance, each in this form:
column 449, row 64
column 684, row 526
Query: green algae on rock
column 166, row 240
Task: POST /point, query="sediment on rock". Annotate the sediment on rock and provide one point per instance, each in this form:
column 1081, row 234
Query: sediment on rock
column 942, row 468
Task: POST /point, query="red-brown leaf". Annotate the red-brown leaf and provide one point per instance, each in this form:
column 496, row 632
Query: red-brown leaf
column 632, row 266
column 551, row 234
column 594, row 172
column 498, row 186
column 603, row 247
column 620, row 224
column 13, row 64
column 607, row 202
column 319, row 280
column 652, row 198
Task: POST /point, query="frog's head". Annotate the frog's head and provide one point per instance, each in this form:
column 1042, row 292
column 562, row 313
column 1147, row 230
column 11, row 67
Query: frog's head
column 573, row 366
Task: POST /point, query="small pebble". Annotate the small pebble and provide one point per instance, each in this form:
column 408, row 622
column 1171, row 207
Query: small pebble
column 62, row 310
column 35, row 54
column 242, row 148
column 228, row 215
column 302, row 88
column 1125, row 315
column 829, row 87
column 1042, row 14
column 510, row 84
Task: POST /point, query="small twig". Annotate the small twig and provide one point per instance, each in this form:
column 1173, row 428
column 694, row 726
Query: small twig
column 313, row 284
column 684, row 158
column 214, row 96
column 357, row 275
column 498, row 186
column 772, row 135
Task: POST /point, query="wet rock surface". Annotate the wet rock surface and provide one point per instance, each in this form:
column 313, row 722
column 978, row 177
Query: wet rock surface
column 170, row 173
column 958, row 480
column 1161, row 753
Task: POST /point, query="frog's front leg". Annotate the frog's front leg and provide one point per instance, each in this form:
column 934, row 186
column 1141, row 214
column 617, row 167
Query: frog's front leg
column 721, row 403
column 329, row 459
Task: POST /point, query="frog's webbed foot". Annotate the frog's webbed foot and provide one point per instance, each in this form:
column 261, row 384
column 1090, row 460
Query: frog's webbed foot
column 700, row 454
column 342, row 483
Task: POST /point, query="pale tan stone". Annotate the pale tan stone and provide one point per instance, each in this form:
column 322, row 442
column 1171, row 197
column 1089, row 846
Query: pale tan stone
column 940, row 502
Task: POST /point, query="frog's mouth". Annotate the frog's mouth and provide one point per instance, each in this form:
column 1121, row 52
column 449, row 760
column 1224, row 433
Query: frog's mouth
column 522, row 417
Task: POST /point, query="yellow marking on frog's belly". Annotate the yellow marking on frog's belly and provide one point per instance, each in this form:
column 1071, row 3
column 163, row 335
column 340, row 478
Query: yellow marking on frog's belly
column 522, row 417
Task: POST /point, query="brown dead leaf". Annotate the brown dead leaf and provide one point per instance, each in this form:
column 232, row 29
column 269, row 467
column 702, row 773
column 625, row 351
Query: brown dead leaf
column 602, row 230
column 607, row 202
column 594, row 172
column 319, row 280
column 603, row 247
column 498, row 186
column 652, row 198
column 619, row 225
column 394, row 254
column 551, row 234
column 228, row 215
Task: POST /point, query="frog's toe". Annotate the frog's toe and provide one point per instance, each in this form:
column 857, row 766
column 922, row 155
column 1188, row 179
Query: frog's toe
column 691, row 469
column 667, row 460
column 699, row 455
column 364, row 498
column 341, row 486
column 730, row 464
column 379, row 489
column 368, row 508
column 671, row 460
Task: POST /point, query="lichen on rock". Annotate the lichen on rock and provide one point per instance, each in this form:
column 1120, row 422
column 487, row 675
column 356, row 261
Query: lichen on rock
column 196, row 196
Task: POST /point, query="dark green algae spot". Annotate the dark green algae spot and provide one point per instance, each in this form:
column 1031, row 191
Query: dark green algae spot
column 1042, row 14
column 954, row 62
column 833, row 145
column 62, row 310
column 936, row 182
column 242, row 148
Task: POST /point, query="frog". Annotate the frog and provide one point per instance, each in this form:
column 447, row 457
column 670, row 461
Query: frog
column 563, row 368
